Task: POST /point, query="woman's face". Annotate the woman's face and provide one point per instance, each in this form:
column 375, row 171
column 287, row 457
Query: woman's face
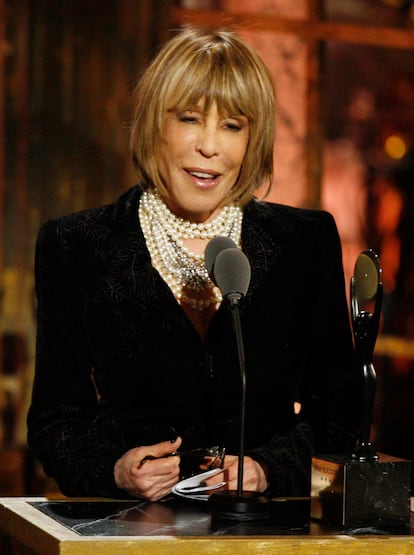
column 200, row 159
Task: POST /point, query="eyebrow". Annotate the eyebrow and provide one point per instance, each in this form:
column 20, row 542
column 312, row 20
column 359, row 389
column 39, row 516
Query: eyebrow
column 188, row 109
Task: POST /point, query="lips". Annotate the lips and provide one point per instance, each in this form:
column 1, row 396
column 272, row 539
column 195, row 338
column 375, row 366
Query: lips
column 203, row 174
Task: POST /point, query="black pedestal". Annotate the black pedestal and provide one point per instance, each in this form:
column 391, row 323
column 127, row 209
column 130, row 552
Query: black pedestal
column 354, row 494
column 229, row 505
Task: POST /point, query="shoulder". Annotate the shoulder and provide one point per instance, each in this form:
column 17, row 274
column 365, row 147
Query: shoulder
column 279, row 218
column 304, row 242
column 93, row 221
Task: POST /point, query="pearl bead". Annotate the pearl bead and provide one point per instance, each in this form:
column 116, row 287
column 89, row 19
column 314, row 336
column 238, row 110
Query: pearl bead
column 164, row 233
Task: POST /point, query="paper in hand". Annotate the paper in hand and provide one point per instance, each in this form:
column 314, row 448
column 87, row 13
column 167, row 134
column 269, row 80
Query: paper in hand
column 193, row 487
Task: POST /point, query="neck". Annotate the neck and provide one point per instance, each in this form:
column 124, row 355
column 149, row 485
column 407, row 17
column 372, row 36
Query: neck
column 177, row 249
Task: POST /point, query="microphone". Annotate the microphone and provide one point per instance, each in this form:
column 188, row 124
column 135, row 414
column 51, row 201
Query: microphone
column 232, row 274
column 213, row 249
column 229, row 268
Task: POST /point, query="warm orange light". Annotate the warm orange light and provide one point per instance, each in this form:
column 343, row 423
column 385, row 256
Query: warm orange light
column 395, row 147
column 393, row 3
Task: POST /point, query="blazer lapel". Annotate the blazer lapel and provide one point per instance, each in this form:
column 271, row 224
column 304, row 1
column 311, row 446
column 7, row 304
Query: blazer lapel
column 262, row 248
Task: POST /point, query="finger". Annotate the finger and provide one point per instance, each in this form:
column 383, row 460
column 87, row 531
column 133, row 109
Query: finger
column 230, row 474
column 153, row 490
column 158, row 468
column 216, row 479
column 209, row 462
column 158, row 474
column 159, row 450
column 230, row 460
column 157, row 496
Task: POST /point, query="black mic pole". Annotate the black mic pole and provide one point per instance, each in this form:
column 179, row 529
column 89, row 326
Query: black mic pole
column 229, row 269
column 234, row 305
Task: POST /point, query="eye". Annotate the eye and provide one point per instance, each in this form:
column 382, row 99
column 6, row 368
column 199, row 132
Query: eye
column 188, row 117
column 232, row 126
column 235, row 124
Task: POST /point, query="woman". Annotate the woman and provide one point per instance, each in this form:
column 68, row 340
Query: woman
column 136, row 354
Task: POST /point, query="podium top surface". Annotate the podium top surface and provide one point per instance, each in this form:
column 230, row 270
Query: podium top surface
column 85, row 526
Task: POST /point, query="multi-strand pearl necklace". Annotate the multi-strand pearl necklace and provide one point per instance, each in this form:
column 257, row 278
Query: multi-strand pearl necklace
column 182, row 269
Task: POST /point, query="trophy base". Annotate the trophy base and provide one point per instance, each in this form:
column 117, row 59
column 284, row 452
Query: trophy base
column 354, row 494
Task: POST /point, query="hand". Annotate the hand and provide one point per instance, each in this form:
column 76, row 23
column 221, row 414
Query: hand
column 254, row 475
column 148, row 479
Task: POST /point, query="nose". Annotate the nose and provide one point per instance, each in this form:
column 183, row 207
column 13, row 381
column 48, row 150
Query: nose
column 207, row 143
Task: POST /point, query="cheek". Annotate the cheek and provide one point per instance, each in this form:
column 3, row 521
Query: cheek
column 165, row 162
column 238, row 155
column 178, row 139
column 171, row 149
column 162, row 162
column 240, row 149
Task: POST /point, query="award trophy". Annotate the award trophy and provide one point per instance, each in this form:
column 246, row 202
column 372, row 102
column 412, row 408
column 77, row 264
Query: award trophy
column 366, row 489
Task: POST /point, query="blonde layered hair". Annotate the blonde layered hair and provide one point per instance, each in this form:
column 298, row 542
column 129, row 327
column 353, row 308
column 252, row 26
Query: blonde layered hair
column 217, row 67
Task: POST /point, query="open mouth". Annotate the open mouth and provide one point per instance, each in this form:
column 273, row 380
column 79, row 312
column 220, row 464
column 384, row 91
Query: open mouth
column 203, row 175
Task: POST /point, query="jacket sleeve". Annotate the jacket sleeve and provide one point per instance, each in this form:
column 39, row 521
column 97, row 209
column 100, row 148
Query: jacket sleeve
column 287, row 459
column 75, row 448
column 328, row 388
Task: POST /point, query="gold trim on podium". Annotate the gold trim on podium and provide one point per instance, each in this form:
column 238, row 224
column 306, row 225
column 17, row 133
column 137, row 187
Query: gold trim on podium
column 41, row 535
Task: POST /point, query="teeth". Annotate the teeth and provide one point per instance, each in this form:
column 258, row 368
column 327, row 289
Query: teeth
column 202, row 175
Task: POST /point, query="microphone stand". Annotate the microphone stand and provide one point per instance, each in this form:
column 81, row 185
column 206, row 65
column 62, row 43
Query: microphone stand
column 239, row 504
column 234, row 305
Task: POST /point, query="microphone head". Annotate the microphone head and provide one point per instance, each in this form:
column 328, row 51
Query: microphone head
column 232, row 272
column 214, row 247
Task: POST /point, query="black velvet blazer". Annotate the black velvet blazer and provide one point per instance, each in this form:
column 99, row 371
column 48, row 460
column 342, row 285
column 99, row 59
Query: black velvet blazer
column 120, row 365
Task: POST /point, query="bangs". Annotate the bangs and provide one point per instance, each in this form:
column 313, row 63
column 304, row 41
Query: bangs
column 211, row 83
